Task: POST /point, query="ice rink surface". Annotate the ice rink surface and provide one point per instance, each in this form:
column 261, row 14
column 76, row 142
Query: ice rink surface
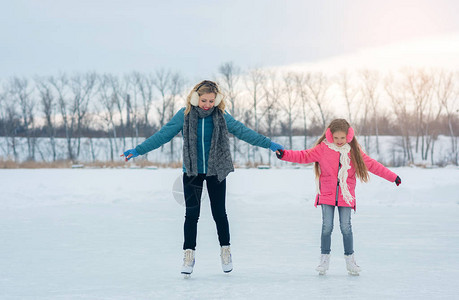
column 117, row 234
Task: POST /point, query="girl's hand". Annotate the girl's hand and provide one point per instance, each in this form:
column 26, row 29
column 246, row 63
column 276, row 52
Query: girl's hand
column 398, row 181
column 280, row 153
column 128, row 154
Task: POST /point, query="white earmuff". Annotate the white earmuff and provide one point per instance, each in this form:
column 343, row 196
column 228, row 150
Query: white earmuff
column 218, row 99
column 194, row 100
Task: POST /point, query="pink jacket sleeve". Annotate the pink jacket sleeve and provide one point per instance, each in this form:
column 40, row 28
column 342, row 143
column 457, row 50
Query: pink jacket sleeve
column 302, row 156
column 378, row 169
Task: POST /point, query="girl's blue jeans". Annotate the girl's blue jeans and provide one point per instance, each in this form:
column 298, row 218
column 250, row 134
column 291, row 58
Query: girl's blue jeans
column 328, row 212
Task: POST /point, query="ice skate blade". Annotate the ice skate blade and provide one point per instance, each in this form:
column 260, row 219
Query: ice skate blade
column 353, row 273
column 186, row 276
column 226, row 272
column 322, row 273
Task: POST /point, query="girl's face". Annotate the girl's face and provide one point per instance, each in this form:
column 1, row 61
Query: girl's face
column 206, row 101
column 339, row 138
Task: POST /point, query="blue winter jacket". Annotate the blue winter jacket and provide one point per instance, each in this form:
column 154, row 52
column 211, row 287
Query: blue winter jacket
column 205, row 129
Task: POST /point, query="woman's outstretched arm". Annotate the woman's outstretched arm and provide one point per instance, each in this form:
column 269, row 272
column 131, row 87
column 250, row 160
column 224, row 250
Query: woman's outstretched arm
column 167, row 132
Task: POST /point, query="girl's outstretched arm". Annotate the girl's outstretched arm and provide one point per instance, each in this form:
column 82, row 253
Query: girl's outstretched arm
column 302, row 156
column 378, row 169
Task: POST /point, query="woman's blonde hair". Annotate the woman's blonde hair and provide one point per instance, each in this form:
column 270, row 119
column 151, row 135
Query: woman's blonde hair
column 205, row 87
column 361, row 170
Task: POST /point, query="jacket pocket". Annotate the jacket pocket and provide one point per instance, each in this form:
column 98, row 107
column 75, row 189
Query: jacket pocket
column 327, row 185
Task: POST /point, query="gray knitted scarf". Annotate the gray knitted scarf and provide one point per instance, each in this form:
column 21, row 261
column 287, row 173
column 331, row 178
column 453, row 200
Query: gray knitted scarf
column 219, row 162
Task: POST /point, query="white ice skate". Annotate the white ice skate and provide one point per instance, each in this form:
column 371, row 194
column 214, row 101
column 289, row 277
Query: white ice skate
column 227, row 262
column 351, row 265
column 188, row 262
column 324, row 263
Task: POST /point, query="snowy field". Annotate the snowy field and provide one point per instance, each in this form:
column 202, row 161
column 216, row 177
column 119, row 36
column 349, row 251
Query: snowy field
column 117, row 234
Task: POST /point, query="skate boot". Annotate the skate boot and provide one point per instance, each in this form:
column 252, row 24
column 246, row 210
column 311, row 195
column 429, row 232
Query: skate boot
column 188, row 262
column 324, row 263
column 351, row 265
column 227, row 263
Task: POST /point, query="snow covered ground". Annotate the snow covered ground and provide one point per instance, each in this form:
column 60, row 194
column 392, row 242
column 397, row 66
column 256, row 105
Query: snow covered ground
column 117, row 234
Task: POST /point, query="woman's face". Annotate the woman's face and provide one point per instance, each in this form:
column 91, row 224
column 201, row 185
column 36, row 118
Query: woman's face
column 206, row 101
column 339, row 138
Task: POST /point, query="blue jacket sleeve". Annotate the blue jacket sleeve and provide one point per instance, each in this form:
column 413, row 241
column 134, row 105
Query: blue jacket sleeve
column 171, row 129
column 246, row 134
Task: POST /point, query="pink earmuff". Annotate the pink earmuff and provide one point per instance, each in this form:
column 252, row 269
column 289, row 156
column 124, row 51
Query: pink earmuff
column 349, row 136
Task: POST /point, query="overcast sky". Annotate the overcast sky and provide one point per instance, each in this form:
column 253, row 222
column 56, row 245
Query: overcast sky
column 194, row 37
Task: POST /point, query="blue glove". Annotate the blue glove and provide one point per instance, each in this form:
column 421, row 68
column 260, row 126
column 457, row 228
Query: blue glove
column 274, row 147
column 128, row 154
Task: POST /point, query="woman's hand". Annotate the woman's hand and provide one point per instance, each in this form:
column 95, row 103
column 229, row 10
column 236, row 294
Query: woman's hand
column 275, row 146
column 398, row 181
column 128, row 154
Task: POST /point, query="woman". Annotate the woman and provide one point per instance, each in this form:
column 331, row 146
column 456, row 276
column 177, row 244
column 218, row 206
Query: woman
column 206, row 156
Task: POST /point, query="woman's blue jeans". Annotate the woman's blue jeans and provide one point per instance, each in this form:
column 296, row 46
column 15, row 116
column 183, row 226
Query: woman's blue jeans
column 328, row 213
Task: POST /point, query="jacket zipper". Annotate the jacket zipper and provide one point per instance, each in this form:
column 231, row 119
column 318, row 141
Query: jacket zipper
column 203, row 150
column 337, row 183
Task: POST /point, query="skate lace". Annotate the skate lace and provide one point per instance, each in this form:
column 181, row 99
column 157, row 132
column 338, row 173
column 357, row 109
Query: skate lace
column 323, row 260
column 188, row 259
column 352, row 264
column 226, row 255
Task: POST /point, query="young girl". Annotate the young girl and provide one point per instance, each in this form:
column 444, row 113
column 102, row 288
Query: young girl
column 338, row 159
column 206, row 156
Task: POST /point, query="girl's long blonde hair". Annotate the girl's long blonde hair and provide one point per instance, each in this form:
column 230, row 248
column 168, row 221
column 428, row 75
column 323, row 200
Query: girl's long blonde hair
column 205, row 87
column 361, row 170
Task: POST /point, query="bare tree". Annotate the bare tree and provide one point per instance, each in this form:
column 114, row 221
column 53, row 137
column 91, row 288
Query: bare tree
column 400, row 108
column 61, row 85
column 133, row 111
column 370, row 91
column 349, row 91
column 145, row 84
column 12, row 124
column 419, row 86
column 447, row 93
column 273, row 93
column 10, row 121
column 82, row 87
column 230, row 77
column 121, row 88
column 289, row 104
column 161, row 81
column 317, row 85
column 254, row 84
column 300, row 80
column 176, row 95
column 21, row 91
column 107, row 100
column 48, row 107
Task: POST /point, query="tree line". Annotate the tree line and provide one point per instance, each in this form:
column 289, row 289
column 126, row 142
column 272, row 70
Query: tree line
column 417, row 105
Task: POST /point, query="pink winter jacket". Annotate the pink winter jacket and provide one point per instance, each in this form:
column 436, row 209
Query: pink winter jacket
column 328, row 160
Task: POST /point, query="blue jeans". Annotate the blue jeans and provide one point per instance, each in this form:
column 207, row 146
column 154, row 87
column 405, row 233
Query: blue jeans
column 328, row 213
